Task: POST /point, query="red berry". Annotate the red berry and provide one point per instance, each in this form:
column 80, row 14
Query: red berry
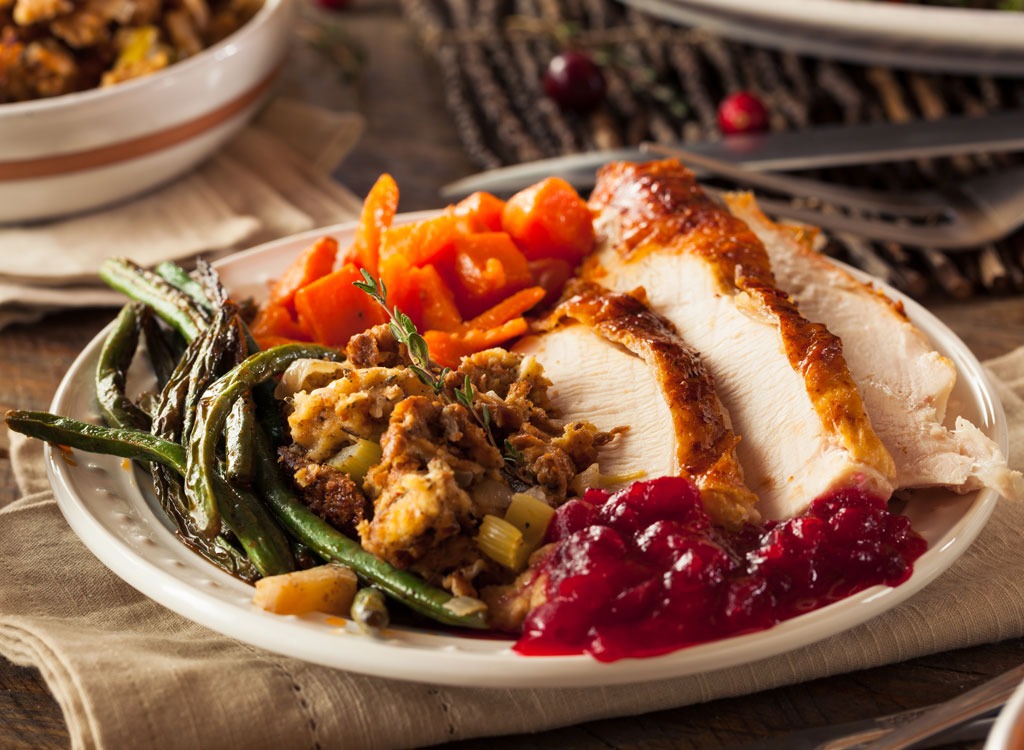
column 334, row 4
column 574, row 81
column 742, row 112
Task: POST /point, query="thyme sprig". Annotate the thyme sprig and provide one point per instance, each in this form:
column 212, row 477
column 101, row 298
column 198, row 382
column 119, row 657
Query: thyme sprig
column 428, row 371
column 404, row 331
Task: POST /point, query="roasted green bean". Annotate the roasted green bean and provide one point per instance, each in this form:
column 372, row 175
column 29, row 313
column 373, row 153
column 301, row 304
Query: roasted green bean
column 172, row 305
column 115, row 357
column 212, row 412
column 127, row 443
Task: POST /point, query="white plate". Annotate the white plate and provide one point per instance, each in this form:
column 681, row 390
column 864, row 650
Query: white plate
column 1008, row 731
column 955, row 40
column 121, row 524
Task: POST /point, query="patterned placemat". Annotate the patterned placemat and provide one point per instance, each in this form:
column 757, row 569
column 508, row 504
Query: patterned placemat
column 664, row 84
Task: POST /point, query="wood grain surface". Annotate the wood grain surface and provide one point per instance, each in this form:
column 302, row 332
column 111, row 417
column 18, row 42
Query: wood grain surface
column 409, row 135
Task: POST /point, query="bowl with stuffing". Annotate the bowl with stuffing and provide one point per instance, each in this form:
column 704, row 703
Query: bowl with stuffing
column 101, row 100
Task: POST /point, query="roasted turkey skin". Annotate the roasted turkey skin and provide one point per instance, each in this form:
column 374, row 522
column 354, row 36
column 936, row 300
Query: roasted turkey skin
column 783, row 379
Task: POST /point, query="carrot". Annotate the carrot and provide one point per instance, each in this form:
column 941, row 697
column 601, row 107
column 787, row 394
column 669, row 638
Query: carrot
column 379, row 208
column 485, row 268
column 333, row 310
column 478, row 212
column 448, row 348
column 507, row 309
column 315, row 261
column 424, row 296
column 275, row 321
column 550, row 220
column 412, row 245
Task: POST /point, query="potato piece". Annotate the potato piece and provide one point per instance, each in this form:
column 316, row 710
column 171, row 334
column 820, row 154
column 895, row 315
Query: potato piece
column 326, row 588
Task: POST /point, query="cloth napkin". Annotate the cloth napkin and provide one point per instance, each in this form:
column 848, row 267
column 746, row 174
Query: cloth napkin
column 271, row 180
column 129, row 673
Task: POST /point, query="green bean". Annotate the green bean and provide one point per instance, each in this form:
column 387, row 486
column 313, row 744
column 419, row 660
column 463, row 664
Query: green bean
column 165, row 348
column 127, row 443
column 111, row 371
column 177, row 277
column 331, row 544
column 198, row 367
column 171, row 304
column 170, row 489
column 213, row 408
column 369, row 610
column 238, row 448
column 256, row 529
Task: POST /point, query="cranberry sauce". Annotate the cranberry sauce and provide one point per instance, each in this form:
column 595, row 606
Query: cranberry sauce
column 644, row 571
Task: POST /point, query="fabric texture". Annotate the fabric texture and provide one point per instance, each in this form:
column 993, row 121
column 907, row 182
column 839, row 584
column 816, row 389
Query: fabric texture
column 271, row 180
column 129, row 673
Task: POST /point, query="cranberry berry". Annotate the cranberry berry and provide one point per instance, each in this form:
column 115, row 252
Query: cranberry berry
column 742, row 112
column 575, row 82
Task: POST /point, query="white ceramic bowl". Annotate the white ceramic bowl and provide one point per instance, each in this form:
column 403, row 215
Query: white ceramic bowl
column 79, row 151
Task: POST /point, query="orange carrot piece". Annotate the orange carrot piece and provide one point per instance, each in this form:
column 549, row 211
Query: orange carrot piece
column 479, row 212
column 277, row 320
column 315, row 261
column 334, row 310
column 379, row 209
column 486, row 268
column 550, row 220
column 448, row 349
column 507, row 309
column 424, row 296
column 419, row 242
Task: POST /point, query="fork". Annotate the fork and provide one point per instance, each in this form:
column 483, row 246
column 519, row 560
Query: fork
column 978, row 211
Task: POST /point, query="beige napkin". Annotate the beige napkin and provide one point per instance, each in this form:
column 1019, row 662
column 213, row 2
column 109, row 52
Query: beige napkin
column 129, row 673
column 271, row 180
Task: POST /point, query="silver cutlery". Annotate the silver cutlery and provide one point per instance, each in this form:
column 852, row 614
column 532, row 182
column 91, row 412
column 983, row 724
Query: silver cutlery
column 991, row 694
column 826, row 146
column 976, row 211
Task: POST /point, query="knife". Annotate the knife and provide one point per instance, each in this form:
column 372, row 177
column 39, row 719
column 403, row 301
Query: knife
column 826, row 146
column 857, row 734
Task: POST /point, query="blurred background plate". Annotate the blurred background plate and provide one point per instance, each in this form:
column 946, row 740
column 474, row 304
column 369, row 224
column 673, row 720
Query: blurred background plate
column 941, row 39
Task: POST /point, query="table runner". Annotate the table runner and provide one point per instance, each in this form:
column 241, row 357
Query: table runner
column 129, row 673
column 664, row 85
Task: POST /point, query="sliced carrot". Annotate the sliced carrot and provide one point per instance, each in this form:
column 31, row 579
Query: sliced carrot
column 507, row 309
column 550, row 273
column 479, row 212
column 486, row 267
column 424, row 296
column 412, row 245
column 419, row 242
column 334, row 310
column 315, row 261
column 550, row 220
column 379, row 209
column 448, row 349
column 277, row 320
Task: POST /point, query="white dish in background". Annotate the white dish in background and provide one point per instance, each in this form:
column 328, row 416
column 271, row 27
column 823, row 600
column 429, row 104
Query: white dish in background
column 121, row 524
column 1008, row 731
column 901, row 35
column 80, row 151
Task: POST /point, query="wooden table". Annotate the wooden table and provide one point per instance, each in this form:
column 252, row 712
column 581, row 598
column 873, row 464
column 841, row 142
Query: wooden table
column 409, row 135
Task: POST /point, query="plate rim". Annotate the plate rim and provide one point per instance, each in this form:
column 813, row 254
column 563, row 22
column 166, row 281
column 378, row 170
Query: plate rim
column 470, row 662
column 960, row 40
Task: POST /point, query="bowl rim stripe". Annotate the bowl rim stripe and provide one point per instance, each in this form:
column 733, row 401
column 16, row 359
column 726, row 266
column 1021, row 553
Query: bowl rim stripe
column 76, row 161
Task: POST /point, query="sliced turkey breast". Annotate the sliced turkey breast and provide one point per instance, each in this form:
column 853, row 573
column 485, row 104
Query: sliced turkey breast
column 611, row 358
column 803, row 428
column 904, row 382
